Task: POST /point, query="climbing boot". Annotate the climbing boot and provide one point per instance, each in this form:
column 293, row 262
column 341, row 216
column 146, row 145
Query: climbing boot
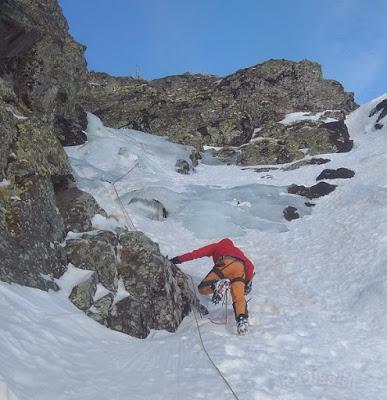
column 242, row 324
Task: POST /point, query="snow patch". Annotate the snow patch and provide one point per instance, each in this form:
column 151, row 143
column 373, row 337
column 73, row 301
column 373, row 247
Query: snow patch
column 108, row 224
column 100, row 292
column 71, row 278
column 121, row 293
column 295, row 117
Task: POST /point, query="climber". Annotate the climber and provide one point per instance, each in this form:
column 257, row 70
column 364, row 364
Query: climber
column 232, row 270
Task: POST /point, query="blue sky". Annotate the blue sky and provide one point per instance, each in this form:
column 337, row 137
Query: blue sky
column 167, row 37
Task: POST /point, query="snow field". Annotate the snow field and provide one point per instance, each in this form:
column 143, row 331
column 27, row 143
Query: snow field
column 318, row 307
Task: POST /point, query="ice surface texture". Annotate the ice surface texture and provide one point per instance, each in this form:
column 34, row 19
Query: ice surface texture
column 209, row 210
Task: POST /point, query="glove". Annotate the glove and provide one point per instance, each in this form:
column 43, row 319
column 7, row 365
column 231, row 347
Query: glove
column 248, row 288
column 175, row 260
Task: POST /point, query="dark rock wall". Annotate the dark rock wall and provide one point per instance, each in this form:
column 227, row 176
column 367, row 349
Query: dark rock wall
column 45, row 66
column 205, row 109
column 31, row 227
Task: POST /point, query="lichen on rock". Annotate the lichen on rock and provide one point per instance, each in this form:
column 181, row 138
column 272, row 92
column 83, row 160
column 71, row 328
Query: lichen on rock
column 200, row 109
column 144, row 290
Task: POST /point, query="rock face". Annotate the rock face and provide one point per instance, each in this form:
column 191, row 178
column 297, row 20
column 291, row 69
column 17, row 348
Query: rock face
column 31, row 227
column 42, row 73
column 205, row 109
column 76, row 207
column 279, row 144
column 159, row 296
column 381, row 110
column 45, row 66
column 96, row 252
column 82, row 295
column 144, row 290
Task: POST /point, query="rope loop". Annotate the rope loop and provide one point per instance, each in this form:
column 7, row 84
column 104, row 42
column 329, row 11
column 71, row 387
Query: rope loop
column 228, row 385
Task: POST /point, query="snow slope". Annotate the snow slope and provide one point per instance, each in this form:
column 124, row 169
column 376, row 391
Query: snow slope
column 318, row 309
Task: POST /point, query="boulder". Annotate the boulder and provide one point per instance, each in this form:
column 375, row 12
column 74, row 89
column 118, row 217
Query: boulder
column 100, row 309
column 142, row 290
column 195, row 156
column 339, row 136
column 340, row 173
column 228, row 155
column 313, row 192
column 149, row 208
column 96, row 253
column 182, row 167
column 77, row 208
column 130, row 316
column 158, row 293
column 82, row 295
column 291, row 213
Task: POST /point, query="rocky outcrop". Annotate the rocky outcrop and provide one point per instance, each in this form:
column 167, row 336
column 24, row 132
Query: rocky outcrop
column 31, row 227
column 143, row 289
column 302, row 163
column 83, row 294
column 149, row 208
column 291, row 213
column 340, row 173
column 228, row 155
column 277, row 143
column 96, row 252
column 42, row 73
column 76, row 207
column 381, row 110
column 205, row 109
column 35, row 178
column 159, row 296
column 313, row 192
column 45, row 66
column 183, row 167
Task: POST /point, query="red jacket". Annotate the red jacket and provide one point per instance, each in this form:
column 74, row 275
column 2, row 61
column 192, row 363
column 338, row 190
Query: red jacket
column 221, row 249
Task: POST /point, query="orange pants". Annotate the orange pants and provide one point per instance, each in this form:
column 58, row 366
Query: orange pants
column 234, row 270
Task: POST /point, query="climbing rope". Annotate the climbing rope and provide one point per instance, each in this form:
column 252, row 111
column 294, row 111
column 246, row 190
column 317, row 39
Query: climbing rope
column 205, row 350
column 224, row 305
column 132, row 227
column 129, row 222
